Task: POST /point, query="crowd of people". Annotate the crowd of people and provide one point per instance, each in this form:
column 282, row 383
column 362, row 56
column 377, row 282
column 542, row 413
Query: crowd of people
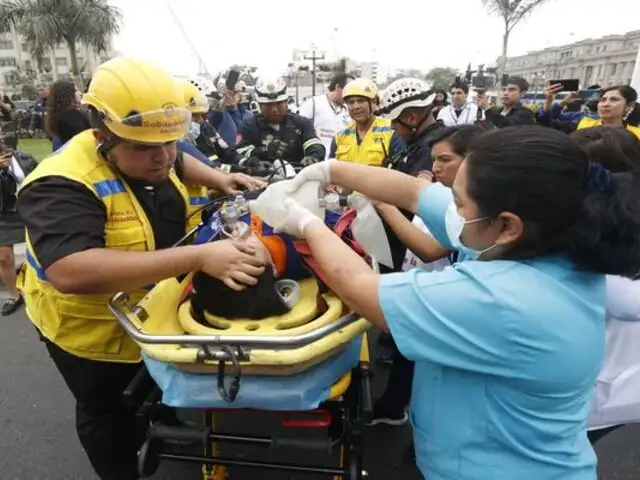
column 510, row 300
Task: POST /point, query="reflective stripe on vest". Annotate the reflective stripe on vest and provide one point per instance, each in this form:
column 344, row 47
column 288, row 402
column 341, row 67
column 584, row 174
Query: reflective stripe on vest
column 82, row 325
column 106, row 188
column 374, row 146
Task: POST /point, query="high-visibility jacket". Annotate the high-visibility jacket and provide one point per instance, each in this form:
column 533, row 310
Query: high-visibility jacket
column 374, row 147
column 587, row 122
column 82, row 324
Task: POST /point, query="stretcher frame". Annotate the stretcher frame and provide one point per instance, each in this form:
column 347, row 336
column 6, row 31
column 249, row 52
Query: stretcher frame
column 348, row 408
column 343, row 415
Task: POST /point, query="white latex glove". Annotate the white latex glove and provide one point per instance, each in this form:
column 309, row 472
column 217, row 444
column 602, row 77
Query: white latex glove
column 318, row 172
column 296, row 219
column 270, row 206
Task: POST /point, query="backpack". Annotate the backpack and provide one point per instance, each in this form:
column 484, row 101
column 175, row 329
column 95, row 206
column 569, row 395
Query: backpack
column 8, row 191
column 9, row 183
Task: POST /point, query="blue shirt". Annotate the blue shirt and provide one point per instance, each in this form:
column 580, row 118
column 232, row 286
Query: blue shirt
column 506, row 355
column 226, row 126
column 189, row 148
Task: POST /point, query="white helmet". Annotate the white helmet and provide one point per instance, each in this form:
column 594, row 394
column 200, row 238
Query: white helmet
column 271, row 90
column 203, row 85
column 405, row 93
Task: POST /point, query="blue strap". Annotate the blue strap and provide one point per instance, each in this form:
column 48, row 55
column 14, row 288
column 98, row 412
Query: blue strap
column 195, row 201
column 34, row 264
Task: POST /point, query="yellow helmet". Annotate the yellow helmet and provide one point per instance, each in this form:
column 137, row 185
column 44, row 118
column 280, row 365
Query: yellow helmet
column 361, row 87
column 139, row 101
column 196, row 100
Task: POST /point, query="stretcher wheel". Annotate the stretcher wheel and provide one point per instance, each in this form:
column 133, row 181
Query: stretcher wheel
column 149, row 458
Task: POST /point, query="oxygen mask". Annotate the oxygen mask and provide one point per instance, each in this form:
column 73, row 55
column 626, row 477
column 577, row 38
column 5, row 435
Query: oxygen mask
column 232, row 224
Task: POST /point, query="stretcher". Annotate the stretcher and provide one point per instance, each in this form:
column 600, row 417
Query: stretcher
column 310, row 367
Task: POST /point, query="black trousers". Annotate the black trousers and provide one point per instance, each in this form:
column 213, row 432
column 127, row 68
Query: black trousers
column 596, row 435
column 397, row 395
column 106, row 427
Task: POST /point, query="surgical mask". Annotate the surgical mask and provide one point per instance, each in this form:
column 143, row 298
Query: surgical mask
column 194, row 131
column 455, row 225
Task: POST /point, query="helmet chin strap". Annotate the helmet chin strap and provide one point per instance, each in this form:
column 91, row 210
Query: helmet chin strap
column 105, row 146
column 414, row 129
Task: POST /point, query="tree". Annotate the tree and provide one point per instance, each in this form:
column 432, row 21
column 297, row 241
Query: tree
column 411, row 72
column 442, row 77
column 45, row 24
column 511, row 12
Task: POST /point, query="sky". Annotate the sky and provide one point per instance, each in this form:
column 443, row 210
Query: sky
column 419, row 34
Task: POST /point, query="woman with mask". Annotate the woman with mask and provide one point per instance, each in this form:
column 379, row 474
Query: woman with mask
column 508, row 346
column 203, row 141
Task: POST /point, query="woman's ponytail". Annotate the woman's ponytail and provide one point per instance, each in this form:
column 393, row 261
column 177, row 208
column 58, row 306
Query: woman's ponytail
column 606, row 235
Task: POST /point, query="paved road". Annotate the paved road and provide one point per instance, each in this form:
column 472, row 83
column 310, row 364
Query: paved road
column 37, row 438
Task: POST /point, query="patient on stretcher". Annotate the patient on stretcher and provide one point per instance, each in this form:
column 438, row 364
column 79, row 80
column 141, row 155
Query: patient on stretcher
column 262, row 300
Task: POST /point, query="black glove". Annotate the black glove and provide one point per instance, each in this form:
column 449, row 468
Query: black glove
column 251, row 161
column 277, row 149
column 259, row 169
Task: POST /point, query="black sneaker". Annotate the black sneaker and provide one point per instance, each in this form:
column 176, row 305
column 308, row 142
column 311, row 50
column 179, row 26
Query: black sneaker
column 386, row 416
column 11, row 305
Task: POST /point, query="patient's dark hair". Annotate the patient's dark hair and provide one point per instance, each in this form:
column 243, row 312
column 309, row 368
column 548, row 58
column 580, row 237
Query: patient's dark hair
column 254, row 303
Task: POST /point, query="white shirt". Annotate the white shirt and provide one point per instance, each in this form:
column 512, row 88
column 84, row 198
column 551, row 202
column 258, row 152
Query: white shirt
column 616, row 398
column 328, row 120
column 468, row 115
column 411, row 260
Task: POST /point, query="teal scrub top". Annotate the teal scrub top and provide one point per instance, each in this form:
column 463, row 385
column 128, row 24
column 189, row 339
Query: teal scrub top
column 507, row 354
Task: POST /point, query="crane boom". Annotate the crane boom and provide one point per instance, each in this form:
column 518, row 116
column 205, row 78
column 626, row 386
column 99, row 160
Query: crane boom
column 194, row 50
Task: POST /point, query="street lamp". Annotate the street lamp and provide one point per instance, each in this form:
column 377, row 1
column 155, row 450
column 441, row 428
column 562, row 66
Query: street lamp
column 314, row 56
column 294, row 74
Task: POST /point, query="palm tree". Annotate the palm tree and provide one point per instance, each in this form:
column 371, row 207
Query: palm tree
column 44, row 24
column 511, row 12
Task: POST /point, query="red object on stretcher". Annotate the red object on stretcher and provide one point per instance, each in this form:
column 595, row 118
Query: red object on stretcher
column 342, row 229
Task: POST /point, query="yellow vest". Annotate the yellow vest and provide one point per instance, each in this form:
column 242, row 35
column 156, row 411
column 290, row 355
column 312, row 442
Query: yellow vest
column 587, row 122
column 373, row 149
column 82, row 324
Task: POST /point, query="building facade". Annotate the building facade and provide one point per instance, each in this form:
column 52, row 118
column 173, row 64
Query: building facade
column 604, row 61
column 15, row 56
